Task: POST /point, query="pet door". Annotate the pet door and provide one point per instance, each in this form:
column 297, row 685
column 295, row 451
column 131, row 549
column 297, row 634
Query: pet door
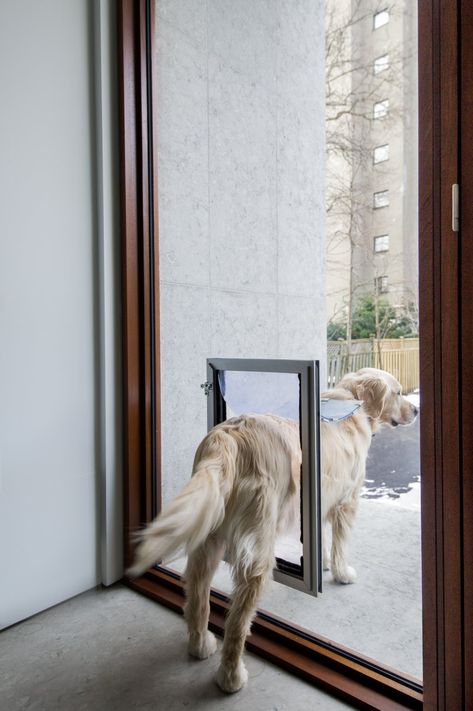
column 288, row 388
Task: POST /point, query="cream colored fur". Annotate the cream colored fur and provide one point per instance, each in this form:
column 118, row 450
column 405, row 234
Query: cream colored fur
column 244, row 490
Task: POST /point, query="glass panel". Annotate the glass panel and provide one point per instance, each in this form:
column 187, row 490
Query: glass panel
column 264, row 254
column 372, row 300
column 381, row 243
column 381, row 199
column 381, row 109
column 381, row 285
column 380, row 19
column 381, row 153
column 381, row 64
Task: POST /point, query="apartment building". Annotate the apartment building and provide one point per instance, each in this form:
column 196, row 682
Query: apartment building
column 371, row 82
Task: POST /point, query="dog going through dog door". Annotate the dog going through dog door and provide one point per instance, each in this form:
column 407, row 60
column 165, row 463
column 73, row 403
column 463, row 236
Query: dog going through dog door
column 289, row 390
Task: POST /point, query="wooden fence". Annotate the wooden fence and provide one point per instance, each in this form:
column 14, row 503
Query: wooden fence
column 399, row 356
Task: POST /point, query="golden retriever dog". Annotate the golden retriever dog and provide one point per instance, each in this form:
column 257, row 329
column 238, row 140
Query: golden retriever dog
column 344, row 450
column 244, row 490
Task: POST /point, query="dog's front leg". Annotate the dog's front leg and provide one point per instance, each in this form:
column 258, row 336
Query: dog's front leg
column 342, row 521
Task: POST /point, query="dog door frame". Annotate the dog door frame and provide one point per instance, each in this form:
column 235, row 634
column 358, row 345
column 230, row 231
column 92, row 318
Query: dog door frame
column 306, row 577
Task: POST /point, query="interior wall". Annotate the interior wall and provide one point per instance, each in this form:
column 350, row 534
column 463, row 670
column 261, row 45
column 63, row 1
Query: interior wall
column 241, row 197
column 49, row 401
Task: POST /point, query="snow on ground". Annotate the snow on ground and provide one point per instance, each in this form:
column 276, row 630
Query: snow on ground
column 414, row 398
column 408, row 500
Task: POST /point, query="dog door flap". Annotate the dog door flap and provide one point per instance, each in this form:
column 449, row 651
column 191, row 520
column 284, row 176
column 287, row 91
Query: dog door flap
column 288, row 389
column 260, row 393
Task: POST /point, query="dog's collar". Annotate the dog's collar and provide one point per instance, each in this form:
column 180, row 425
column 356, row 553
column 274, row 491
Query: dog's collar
column 333, row 410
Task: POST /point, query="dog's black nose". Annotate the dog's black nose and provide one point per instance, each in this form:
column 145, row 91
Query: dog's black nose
column 416, row 411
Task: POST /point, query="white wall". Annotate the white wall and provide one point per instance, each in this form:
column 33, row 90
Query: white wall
column 51, row 414
column 241, row 197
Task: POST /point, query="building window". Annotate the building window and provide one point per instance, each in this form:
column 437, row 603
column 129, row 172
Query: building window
column 381, row 243
column 380, row 18
column 381, row 64
column 381, row 153
column 381, row 199
column 381, row 109
column 381, row 284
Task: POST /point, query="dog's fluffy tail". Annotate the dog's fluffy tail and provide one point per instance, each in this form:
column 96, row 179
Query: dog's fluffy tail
column 197, row 511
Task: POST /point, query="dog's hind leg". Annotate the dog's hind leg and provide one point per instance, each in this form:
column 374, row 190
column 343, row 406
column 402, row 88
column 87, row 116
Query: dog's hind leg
column 252, row 554
column 249, row 583
column 201, row 566
column 343, row 517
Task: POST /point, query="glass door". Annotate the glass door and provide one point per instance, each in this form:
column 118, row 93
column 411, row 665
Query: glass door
column 287, row 174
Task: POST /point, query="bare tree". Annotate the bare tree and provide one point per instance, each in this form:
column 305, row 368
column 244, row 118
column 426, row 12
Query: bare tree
column 352, row 90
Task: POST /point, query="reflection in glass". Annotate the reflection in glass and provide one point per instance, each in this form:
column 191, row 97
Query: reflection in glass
column 267, row 251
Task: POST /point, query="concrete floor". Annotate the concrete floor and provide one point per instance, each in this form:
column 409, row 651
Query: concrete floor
column 113, row 649
column 380, row 616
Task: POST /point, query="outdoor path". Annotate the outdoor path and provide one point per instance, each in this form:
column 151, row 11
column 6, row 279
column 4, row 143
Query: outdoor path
column 394, row 461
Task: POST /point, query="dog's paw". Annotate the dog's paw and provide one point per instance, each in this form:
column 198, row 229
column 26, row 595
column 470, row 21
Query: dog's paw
column 231, row 680
column 326, row 563
column 345, row 576
column 202, row 646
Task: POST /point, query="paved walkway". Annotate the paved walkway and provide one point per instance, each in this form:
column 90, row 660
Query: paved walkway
column 380, row 615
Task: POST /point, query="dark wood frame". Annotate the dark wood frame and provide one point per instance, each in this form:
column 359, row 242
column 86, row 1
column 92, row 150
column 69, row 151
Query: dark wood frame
column 140, row 266
column 465, row 60
column 446, row 305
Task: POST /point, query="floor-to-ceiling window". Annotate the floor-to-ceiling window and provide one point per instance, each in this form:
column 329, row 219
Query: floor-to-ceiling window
column 233, row 168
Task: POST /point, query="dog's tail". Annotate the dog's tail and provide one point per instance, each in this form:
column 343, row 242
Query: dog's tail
column 197, row 511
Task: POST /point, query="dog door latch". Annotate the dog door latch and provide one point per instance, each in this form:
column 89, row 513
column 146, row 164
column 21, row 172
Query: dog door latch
column 455, row 207
column 207, row 387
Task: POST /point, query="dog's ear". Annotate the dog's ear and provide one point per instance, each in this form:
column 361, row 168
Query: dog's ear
column 373, row 391
column 350, row 382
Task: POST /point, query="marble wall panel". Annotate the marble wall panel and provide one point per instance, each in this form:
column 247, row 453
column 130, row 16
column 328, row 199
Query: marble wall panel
column 301, row 326
column 302, row 329
column 241, row 152
column 301, row 228
column 182, row 137
column 242, row 182
column 243, row 35
column 185, row 319
column 188, row 16
column 243, row 325
column 301, row 75
column 302, row 32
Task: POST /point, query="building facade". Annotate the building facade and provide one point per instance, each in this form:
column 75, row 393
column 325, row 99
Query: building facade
column 371, row 99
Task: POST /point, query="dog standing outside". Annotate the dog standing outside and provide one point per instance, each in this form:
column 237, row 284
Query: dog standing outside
column 243, row 493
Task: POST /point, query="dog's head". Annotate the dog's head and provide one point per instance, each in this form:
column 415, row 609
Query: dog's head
column 382, row 396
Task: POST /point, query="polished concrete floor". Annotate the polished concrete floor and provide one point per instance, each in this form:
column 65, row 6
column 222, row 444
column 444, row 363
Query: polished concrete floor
column 380, row 616
column 114, row 650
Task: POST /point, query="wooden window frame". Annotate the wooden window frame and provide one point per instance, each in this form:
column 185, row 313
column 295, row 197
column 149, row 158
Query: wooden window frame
column 446, row 314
